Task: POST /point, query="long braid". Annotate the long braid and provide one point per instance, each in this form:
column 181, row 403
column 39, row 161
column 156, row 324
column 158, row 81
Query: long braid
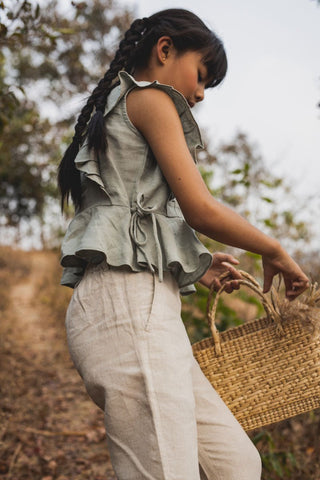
column 124, row 59
column 186, row 31
column 68, row 174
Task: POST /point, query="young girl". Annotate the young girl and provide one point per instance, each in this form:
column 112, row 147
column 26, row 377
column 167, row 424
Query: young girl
column 131, row 249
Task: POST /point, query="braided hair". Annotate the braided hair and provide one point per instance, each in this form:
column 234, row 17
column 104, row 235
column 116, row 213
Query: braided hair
column 186, row 31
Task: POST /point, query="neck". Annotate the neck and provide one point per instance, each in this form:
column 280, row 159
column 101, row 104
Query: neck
column 148, row 75
column 154, row 71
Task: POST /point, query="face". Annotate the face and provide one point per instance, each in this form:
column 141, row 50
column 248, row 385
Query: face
column 187, row 74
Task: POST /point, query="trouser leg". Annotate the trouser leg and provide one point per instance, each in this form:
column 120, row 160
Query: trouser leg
column 128, row 343
column 131, row 348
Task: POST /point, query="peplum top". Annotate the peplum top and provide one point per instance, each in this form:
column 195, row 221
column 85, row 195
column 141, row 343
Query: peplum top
column 128, row 215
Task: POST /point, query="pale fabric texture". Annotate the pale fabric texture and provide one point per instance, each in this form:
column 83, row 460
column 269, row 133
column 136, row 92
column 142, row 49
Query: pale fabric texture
column 162, row 416
column 128, row 214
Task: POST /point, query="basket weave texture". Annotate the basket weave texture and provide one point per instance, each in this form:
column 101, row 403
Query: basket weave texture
column 266, row 370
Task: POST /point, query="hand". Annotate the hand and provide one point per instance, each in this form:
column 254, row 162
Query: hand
column 222, row 262
column 294, row 278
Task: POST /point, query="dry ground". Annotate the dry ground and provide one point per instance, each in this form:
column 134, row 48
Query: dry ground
column 49, row 428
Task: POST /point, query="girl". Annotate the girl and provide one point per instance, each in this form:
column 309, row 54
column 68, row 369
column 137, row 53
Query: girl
column 131, row 248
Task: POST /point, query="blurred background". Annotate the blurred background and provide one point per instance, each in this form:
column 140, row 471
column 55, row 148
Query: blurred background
column 262, row 150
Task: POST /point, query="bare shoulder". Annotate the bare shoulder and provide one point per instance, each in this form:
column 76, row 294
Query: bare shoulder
column 148, row 96
column 146, row 104
column 154, row 114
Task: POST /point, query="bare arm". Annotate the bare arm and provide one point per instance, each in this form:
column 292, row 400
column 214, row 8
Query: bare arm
column 154, row 115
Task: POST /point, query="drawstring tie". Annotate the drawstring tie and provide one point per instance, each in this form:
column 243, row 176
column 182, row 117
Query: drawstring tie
column 140, row 237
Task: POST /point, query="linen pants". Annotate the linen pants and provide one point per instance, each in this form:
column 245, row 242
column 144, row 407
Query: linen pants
column 162, row 416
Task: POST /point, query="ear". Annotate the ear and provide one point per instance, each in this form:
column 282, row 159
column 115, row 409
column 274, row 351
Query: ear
column 164, row 48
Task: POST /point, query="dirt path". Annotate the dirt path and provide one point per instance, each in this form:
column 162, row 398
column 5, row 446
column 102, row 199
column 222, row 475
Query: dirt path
column 35, row 335
column 50, row 429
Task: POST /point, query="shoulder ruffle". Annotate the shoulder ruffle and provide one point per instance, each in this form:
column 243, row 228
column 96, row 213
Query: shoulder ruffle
column 189, row 125
column 140, row 236
column 86, row 161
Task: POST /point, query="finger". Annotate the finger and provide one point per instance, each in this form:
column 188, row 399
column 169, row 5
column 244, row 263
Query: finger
column 292, row 294
column 226, row 257
column 216, row 284
column 297, row 288
column 233, row 271
column 267, row 281
column 228, row 287
column 300, row 284
column 232, row 259
column 235, row 285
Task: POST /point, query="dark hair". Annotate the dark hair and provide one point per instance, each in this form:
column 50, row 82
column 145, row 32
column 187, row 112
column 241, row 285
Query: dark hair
column 187, row 32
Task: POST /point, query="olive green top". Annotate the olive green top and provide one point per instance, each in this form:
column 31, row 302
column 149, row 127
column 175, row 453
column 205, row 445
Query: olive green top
column 128, row 214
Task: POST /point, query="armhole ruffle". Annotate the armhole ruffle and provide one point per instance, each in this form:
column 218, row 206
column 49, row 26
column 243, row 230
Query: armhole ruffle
column 87, row 163
column 189, row 125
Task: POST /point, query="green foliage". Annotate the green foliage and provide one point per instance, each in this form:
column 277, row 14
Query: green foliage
column 237, row 175
column 226, row 317
column 66, row 51
column 194, row 309
column 194, row 315
column 47, row 56
column 22, row 176
column 277, row 462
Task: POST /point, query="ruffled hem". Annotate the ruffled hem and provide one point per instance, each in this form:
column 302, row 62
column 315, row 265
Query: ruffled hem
column 138, row 236
column 96, row 235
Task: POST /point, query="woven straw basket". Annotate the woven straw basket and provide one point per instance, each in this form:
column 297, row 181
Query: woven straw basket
column 266, row 370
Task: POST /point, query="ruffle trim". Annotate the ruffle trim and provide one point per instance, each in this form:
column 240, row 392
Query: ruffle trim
column 142, row 240
column 190, row 126
column 86, row 161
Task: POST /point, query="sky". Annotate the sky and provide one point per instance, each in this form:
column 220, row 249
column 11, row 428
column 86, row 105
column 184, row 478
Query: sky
column 272, row 87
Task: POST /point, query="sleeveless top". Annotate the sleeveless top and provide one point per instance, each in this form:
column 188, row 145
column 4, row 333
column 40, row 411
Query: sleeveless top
column 128, row 215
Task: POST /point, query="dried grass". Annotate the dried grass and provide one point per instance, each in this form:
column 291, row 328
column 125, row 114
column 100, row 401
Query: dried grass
column 13, row 267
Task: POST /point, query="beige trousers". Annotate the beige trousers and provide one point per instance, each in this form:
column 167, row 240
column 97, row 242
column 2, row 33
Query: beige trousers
column 162, row 416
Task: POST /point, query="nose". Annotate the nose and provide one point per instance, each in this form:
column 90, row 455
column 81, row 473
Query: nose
column 200, row 93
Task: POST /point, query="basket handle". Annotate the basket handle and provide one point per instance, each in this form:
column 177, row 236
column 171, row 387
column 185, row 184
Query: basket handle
column 250, row 282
